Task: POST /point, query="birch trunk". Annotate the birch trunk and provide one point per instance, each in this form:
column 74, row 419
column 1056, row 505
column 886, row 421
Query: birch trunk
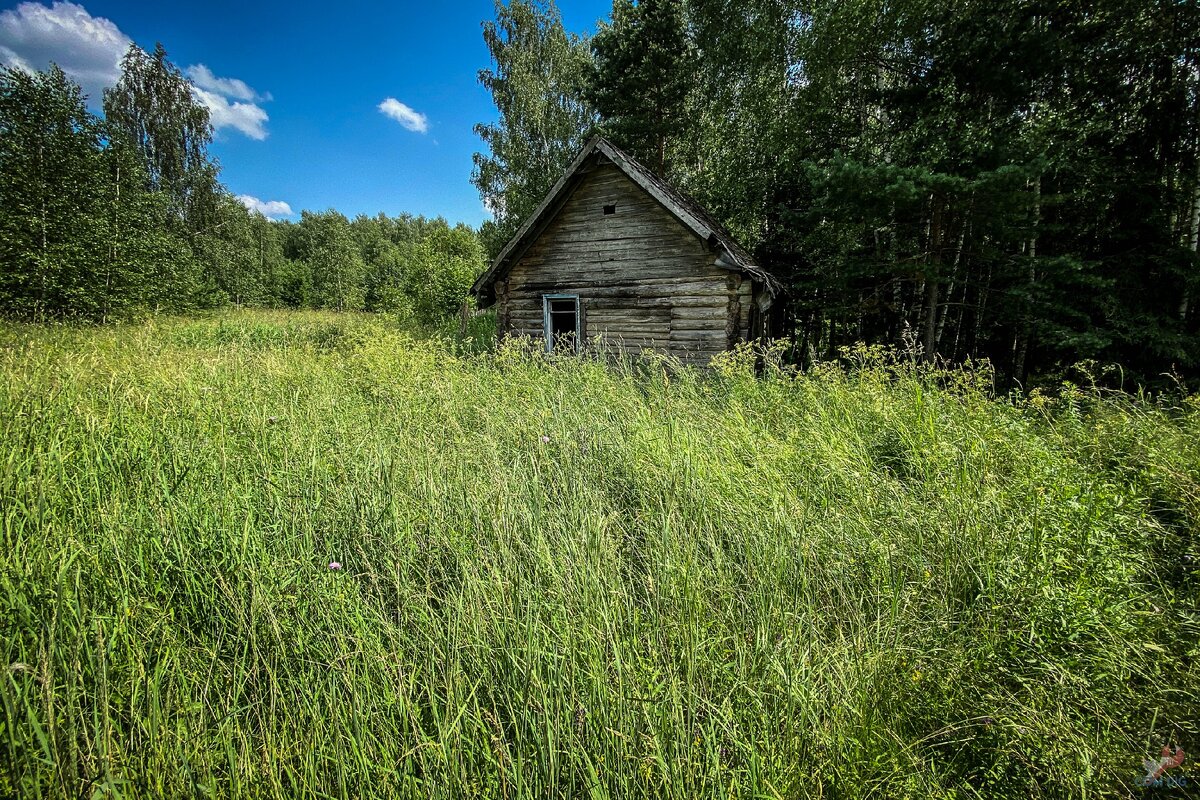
column 932, row 272
column 1193, row 243
column 1021, row 342
column 958, row 251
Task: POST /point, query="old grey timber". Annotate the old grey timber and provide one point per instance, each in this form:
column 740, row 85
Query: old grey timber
column 616, row 255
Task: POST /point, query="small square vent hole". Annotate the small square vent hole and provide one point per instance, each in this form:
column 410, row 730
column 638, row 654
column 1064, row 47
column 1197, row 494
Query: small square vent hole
column 610, row 210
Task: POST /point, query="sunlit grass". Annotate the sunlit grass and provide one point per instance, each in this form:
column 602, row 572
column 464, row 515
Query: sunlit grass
column 864, row 581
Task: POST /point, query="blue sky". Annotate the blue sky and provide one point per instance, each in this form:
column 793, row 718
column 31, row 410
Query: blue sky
column 296, row 88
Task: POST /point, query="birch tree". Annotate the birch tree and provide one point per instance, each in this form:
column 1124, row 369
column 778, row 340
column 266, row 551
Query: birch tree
column 537, row 81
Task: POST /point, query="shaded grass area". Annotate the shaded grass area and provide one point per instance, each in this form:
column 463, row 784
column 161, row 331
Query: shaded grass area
column 869, row 580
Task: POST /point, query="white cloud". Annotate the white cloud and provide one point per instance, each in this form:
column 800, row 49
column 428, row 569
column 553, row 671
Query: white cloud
column 273, row 209
column 203, row 78
column 231, row 102
column 88, row 48
column 248, row 118
column 413, row 120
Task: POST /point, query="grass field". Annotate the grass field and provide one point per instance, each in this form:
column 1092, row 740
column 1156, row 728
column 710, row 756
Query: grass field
column 576, row 580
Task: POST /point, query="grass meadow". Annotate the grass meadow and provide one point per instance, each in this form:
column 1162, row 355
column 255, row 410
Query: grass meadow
column 574, row 578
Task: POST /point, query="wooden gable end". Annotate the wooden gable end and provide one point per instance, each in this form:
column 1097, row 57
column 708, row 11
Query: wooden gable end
column 643, row 279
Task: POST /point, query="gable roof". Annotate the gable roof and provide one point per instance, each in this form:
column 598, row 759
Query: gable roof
column 729, row 254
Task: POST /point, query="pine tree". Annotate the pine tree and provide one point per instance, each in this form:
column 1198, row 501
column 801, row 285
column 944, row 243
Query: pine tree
column 639, row 82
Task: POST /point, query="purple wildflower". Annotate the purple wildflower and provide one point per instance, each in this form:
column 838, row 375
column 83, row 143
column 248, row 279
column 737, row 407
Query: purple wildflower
column 335, row 565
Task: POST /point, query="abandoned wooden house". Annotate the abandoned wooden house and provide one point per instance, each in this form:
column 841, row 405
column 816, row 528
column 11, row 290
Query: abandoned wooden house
column 616, row 255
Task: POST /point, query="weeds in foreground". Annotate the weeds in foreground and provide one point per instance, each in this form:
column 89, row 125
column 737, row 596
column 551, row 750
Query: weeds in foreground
column 574, row 578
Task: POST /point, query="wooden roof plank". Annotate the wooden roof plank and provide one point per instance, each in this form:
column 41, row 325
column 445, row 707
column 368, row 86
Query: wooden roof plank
column 730, row 254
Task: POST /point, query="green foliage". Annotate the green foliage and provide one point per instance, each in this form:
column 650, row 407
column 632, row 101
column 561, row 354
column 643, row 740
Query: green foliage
column 409, row 265
column 325, row 243
column 385, row 244
column 1015, row 182
column 864, row 581
column 80, row 235
column 443, row 265
column 148, row 265
column 639, row 82
column 48, row 237
column 112, row 219
column 239, row 254
column 537, row 83
column 153, row 109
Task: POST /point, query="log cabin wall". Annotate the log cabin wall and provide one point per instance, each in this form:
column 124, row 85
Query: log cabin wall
column 643, row 279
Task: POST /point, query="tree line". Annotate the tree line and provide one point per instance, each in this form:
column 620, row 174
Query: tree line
column 108, row 217
column 1015, row 181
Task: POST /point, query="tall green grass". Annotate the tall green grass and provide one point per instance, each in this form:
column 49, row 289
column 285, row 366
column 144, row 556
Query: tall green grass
column 576, row 579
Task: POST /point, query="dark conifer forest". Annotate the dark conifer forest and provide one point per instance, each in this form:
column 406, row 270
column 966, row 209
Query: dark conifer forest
column 1012, row 181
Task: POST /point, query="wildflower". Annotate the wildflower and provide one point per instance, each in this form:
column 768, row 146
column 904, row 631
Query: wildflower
column 335, row 565
column 916, row 676
column 545, row 439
